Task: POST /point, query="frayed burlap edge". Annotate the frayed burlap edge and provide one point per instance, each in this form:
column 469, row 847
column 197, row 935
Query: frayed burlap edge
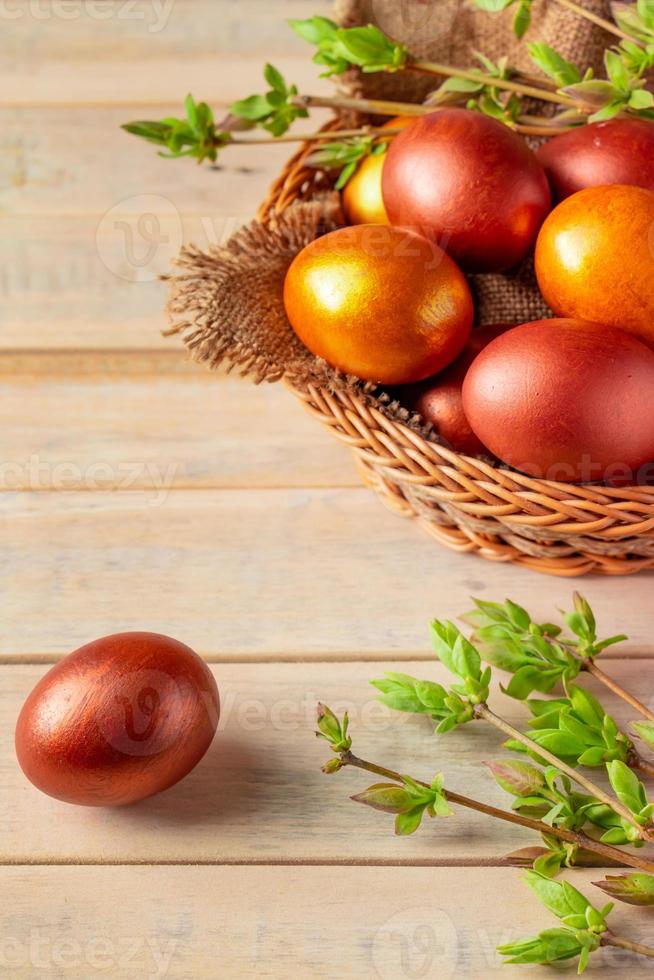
column 227, row 305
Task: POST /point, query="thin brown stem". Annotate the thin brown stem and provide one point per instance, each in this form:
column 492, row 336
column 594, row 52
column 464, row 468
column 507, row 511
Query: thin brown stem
column 592, row 668
column 527, row 125
column 315, row 137
column 607, row 25
column 532, row 91
column 373, row 107
column 509, row 816
column 527, row 130
column 608, row 939
column 483, row 711
column 537, row 81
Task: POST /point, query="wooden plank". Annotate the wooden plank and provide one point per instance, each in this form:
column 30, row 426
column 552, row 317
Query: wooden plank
column 123, row 52
column 80, row 301
column 258, row 573
column 282, row 922
column 98, row 421
column 113, row 230
column 259, row 795
column 110, row 175
column 102, row 291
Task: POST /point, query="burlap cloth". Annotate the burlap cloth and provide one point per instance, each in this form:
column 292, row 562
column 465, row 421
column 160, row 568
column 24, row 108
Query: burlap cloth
column 227, row 303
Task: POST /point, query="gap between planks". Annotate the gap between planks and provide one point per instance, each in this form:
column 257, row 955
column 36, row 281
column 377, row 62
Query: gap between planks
column 476, row 862
column 327, row 657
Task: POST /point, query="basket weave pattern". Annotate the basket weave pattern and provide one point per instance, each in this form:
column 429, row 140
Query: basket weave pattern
column 469, row 504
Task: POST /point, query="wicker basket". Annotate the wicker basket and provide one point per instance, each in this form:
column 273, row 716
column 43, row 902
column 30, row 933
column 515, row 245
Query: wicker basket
column 466, row 503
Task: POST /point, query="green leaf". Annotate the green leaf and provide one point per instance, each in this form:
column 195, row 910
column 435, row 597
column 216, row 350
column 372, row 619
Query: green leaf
column 617, row 71
column 528, row 679
column 454, row 651
column 517, row 615
column 641, row 98
column 346, row 156
column 592, row 757
column 255, row 107
column 332, row 766
column 550, row 893
column 611, row 641
column 552, row 945
column 333, row 730
column 345, row 175
column 388, row 797
column 408, row 822
column 431, row 695
column 548, row 865
column 315, row 30
column 553, row 64
column 154, row 132
column 586, row 706
column 522, row 19
column 453, row 89
column 609, row 111
column 559, row 743
column 585, row 734
column 369, row 48
column 596, row 91
column 627, row 787
column 194, row 136
column 191, row 111
column 542, row 708
column 492, row 6
column 567, row 903
column 518, row 778
column 645, row 10
column 275, row 80
column 615, row 836
column 645, row 730
column 634, row 889
column 338, row 48
column 404, row 693
column 582, row 607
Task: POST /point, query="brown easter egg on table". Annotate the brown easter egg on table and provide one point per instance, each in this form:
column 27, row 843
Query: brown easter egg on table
column 565, row 400
column 362, row 197
column 595, row 258
column 469, row 183
column 118, row 720
column 618, row 151
column 439, row 400
column 380, row 303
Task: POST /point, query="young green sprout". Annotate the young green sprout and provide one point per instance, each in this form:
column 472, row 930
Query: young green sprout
column 583, row 931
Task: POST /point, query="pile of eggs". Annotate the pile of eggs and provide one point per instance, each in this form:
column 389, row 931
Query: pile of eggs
column 386, row 299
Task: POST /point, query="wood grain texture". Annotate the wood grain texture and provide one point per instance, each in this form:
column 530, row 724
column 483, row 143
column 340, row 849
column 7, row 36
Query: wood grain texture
column 83, row 244
column 153, row 51
column 107, row 175
column 259, row 795
column 334, row 923
column 99, row 421
column 256, row 574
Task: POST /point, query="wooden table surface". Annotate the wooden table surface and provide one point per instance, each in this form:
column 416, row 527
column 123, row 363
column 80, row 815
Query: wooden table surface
column 141, row 492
